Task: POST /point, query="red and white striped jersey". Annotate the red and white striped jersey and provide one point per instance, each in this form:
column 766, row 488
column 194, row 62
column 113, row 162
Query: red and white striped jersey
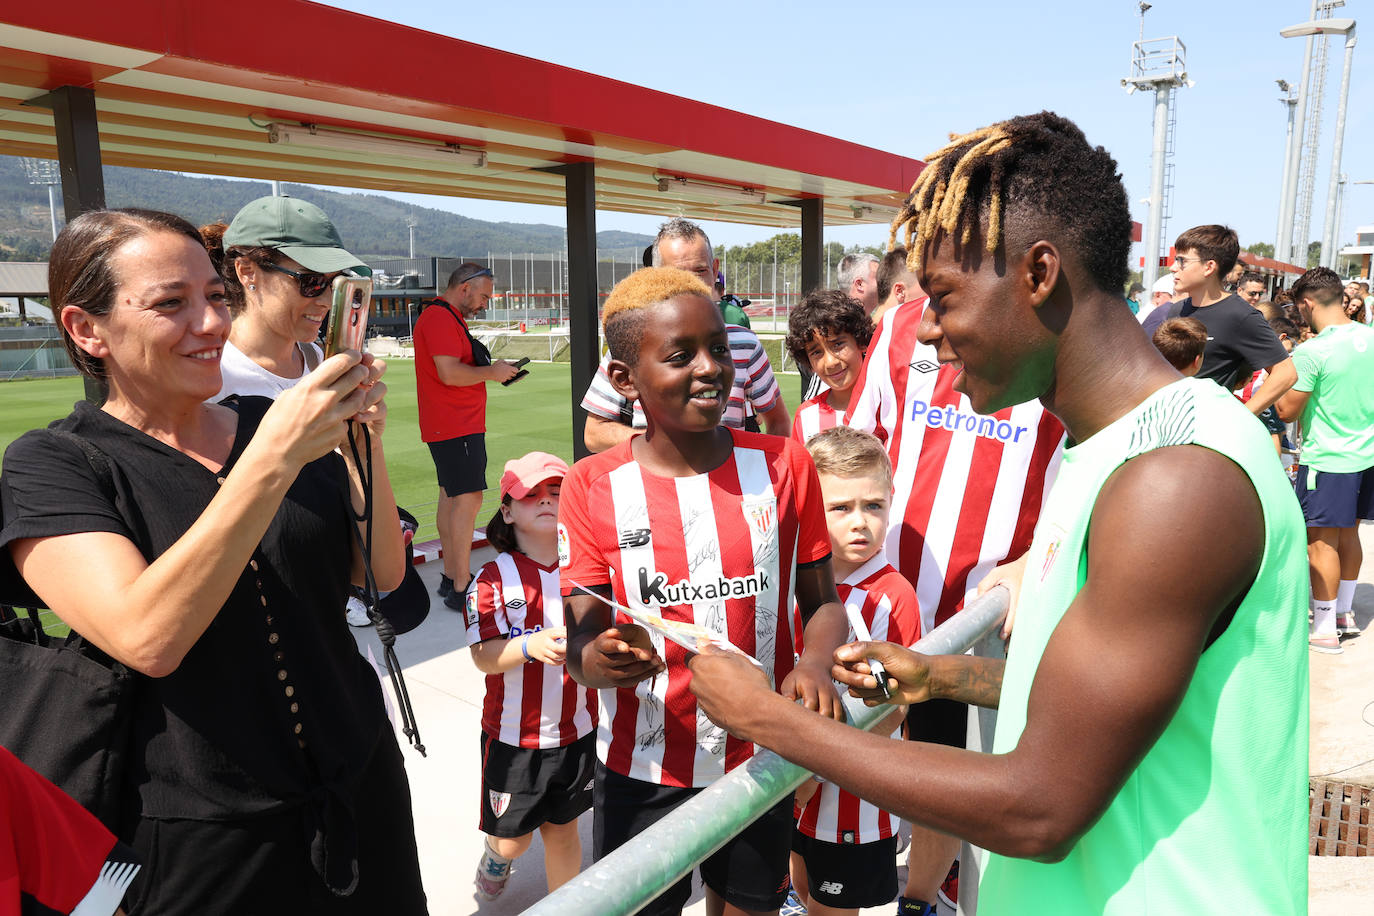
column 534, row 705
column 968, row 487
column 814, row 416
column 1247, row 391
column 887, row 603
column 719, row 550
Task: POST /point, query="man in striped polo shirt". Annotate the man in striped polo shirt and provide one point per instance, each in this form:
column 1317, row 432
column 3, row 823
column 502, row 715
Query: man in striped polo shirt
column 612, row 419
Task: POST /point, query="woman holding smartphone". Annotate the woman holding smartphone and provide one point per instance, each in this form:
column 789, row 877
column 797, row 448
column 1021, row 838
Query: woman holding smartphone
column 278, row 258
column 207, row 547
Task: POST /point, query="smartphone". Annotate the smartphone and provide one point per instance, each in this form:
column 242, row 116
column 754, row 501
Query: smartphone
column 347, row 328
column 519, row 364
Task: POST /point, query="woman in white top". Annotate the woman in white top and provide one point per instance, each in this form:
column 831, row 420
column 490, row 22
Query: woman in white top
column 278, row 258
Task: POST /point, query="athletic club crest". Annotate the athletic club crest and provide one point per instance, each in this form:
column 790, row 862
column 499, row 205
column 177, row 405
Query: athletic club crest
column 499, row 801
column 763, row 516
column 1052, row 550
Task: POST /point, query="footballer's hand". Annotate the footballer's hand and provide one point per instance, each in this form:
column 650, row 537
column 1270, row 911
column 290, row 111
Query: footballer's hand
column 908, row 673
column 729, row 687
column 810, row 682
column 623, row 656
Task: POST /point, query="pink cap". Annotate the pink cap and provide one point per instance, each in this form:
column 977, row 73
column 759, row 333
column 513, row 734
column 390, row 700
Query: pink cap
column 525, row 473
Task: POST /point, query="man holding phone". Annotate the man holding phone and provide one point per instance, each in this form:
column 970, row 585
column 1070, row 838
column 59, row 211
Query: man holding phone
column 452, row 369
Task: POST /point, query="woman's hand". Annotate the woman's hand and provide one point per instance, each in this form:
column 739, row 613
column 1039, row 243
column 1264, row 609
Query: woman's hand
column 308, row 420
column 374, row 403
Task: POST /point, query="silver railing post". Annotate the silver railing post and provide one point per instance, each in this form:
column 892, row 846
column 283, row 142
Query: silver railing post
column 639, row 871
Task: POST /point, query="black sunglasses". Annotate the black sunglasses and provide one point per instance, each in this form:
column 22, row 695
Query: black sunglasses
column 311, row 284
column 484, row 272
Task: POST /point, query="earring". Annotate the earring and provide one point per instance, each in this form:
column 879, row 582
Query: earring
column 252, row 286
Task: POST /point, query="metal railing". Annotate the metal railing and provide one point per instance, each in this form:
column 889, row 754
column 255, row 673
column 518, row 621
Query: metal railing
column 639, row 871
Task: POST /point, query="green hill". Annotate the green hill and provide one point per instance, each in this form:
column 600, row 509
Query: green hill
column 371, row 225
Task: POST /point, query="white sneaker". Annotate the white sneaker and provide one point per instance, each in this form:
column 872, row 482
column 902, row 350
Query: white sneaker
column 1346, row 625
column 356, row 614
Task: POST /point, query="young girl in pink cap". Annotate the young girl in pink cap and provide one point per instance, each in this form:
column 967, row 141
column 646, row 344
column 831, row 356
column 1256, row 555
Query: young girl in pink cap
column 537, row 723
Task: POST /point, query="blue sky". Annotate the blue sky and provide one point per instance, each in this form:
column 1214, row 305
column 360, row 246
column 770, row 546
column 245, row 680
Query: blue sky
column 901, row 77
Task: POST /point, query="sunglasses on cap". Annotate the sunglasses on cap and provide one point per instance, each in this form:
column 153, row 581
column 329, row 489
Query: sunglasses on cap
column 311, row 284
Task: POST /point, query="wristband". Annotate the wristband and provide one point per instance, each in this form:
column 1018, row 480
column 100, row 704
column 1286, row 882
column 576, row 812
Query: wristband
column 525, row 648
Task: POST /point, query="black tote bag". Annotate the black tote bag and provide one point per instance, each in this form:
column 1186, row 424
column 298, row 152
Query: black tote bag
column 67, row 712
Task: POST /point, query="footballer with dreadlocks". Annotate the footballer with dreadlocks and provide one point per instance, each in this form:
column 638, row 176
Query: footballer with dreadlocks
column 1151, row 743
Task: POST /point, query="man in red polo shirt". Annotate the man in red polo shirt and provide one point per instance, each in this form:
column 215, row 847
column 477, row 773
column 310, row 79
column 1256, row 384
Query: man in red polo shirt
column 452, row 369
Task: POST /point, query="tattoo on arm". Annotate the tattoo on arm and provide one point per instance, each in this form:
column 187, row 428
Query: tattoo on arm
column 975, row 681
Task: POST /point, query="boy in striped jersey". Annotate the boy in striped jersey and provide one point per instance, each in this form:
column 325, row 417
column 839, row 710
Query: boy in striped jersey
column 536, row 721
column 830, row 333
column 701, row 524
column 850, row 845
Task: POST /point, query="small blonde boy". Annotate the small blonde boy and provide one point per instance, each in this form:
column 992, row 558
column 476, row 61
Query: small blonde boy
column 848, row 845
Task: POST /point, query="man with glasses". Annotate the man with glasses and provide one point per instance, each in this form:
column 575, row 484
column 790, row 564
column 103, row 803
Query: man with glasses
column 1250, row 287
column 1239, row 340
column 452, row 369
column 754, row 397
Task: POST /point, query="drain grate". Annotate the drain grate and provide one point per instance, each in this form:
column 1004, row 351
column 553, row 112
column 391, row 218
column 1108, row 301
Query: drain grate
column 1340, row 819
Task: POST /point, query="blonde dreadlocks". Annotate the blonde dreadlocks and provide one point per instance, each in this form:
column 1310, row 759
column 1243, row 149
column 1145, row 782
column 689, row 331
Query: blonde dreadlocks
column 1042, row 162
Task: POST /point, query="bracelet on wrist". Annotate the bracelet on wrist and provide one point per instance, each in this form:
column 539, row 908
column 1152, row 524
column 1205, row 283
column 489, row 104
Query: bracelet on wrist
column 525, row 647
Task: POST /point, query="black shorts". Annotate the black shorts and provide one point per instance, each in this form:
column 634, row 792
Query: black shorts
column 750, row 871
column 849, row 875
column 461, row 464
column 938, row 722
column 261, row 864
column 524, row 787
column 1333, row 500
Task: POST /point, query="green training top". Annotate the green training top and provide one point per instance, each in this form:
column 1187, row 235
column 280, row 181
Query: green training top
column 1214, row 818
column 1337, row 367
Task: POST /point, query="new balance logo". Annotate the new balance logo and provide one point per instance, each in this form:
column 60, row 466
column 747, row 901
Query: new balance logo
column 924, row 365
column 833, row 888
column 636, row 537
column 658, row 590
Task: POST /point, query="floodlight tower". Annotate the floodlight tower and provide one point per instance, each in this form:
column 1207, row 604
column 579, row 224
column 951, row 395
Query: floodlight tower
column 1295, row 207
column 1158, row 65
column 45, row 172
column 1290, row 101
column 411, row 223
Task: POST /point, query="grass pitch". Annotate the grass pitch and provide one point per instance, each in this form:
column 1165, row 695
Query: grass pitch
column 534, row 414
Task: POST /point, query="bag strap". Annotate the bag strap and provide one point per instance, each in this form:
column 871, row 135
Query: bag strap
column 311, row 356
column 104, row 475
column 481, row 356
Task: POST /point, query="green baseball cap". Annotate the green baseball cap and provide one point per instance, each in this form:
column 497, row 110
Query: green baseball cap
column 298, row 229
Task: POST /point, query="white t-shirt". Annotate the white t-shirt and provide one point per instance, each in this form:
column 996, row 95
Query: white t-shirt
column 244, row 377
